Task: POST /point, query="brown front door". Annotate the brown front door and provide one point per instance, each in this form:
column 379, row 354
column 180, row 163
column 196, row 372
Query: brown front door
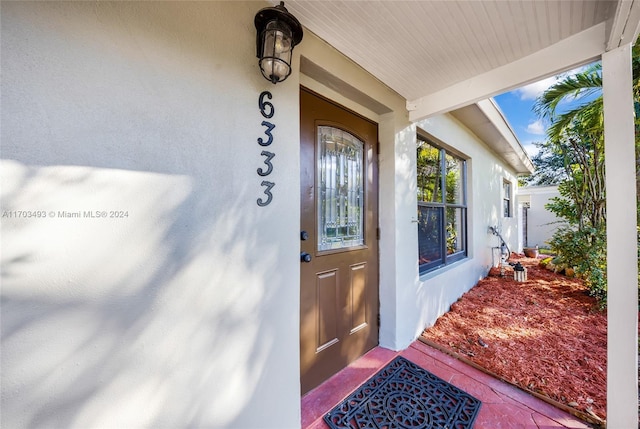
column 339, row 247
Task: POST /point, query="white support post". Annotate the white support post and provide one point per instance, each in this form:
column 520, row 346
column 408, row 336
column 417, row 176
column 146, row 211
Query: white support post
column 622, row 272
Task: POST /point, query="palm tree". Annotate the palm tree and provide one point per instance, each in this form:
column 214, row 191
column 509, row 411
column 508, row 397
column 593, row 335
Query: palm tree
column 575, row 140
column 584, row 92
column 576, row 89
column 579, row 88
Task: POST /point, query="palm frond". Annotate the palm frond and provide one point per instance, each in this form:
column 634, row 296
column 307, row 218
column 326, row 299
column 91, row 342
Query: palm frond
column 571, row 87
column 589, row 114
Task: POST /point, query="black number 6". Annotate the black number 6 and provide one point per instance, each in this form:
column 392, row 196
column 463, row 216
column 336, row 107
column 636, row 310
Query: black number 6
column 262, row 104
column 267, row 192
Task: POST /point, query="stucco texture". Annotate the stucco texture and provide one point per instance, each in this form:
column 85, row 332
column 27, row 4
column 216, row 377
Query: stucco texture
column 174, row 315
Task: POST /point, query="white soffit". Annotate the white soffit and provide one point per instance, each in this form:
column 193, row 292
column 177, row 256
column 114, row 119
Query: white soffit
column 486, row 121
column 441, row 55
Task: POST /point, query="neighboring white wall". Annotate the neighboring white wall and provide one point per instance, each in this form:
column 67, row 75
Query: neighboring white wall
column 541, row 223
column 186, row 312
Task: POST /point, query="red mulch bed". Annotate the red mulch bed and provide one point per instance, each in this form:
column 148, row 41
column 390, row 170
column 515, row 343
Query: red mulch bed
column 546, row 335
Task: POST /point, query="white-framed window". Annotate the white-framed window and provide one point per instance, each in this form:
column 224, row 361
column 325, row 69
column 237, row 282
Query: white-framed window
column 506, row 198
column 442, row 206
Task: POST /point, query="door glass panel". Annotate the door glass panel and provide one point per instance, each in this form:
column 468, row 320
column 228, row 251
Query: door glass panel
column 340, row 189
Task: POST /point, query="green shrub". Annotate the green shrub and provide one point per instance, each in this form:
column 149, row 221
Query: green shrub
column 586, row 251
column 545, row 261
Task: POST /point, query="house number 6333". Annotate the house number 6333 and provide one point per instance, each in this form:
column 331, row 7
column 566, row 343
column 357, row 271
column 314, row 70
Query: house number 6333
column 267, row 110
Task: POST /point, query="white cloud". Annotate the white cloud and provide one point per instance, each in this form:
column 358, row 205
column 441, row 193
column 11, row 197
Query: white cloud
column 533, row 90
column 536, row 128
column 530, row 147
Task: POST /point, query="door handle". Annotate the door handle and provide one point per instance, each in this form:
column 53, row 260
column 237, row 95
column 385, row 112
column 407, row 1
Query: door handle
column 305, row 257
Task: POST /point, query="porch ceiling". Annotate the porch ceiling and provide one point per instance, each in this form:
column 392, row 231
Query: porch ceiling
column 441, row 55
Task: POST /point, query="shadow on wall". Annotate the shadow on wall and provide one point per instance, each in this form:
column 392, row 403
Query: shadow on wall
column 408, row 309
column 508, row 227
column 134, row 318
column 144, row 292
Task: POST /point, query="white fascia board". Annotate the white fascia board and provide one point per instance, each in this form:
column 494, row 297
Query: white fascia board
column 493, row 113
column 571, row 52
column 624, row 26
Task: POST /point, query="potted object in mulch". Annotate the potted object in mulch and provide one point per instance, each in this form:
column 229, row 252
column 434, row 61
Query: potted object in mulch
column 519, row 272
column 531, row 252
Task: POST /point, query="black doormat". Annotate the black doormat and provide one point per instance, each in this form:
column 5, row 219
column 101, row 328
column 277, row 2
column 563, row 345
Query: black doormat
column 403, row 395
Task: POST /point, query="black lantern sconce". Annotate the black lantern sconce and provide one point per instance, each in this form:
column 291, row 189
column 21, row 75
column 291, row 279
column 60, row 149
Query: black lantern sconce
column 278, row 33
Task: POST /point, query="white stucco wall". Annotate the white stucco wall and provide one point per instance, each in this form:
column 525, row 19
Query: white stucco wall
column 422, row 299
column 185, row 313
column 541, row 223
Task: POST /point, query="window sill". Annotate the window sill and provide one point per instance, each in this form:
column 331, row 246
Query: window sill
column 441, row 270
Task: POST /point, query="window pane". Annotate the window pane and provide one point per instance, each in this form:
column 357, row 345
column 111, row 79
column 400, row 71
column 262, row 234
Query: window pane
column 506, row 190
column 455, row 230
column 429, row 173
column 442, row 207
column 455, row 194
column 430, row 249
column 340, row 189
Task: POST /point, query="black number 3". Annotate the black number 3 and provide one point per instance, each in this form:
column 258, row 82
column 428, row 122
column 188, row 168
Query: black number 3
column 267, row 132
column 267, row 192
column 267, row 161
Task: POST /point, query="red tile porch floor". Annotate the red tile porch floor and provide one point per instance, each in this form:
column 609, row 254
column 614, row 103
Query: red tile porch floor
column 503, row 405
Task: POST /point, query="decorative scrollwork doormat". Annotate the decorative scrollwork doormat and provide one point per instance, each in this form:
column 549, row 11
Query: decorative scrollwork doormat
column 403, row 395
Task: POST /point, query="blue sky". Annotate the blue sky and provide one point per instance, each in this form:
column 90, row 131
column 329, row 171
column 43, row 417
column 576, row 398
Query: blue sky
column 517, row 107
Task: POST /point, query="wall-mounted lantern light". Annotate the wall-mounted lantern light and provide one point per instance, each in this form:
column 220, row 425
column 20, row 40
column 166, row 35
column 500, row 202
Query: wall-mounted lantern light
column 278, row 33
